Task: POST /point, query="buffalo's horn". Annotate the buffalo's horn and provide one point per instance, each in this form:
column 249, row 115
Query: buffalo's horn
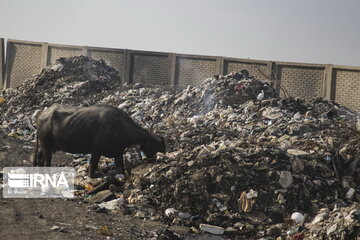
column 151, row 131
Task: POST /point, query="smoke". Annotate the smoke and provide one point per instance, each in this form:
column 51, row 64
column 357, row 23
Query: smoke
column 209, row 100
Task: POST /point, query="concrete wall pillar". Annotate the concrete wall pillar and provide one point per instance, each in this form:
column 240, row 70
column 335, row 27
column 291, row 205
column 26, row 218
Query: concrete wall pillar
column 7, row 65
column 329, row 82
column 172, row 69
column 44, row 55
column 2, row 63
column 127, row 66
column 220, row 65
column 85, row 51
column 276, row 81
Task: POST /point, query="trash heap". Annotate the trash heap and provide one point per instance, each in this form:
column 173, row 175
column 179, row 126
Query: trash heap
column 234, row 163
column 76, row 81
column 242, row 165
column 337, row 224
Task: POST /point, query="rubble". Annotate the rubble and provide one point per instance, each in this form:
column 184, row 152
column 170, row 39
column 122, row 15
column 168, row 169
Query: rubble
column 341, row 223
column 70, row 81
column 212, row 229
column 247, row 200
column 238, row 157
column 101, row 196
column 298, row 218
column 113, row 204
column 286, row 179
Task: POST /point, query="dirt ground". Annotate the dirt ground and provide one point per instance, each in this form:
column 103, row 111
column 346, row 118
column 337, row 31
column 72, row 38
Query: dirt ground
column 34, row 218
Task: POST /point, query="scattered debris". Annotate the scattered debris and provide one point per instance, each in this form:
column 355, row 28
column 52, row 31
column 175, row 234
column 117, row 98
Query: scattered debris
column 104, row 230
column 280, row 156
column 298, row 218
column 286, row 179
column 212, row 229
column 101, row 196
column 58, row 229
column 113, row 204
column 341, row 223
column 248, row 200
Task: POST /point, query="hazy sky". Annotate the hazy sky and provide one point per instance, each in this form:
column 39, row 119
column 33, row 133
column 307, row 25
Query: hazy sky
column 316, row 31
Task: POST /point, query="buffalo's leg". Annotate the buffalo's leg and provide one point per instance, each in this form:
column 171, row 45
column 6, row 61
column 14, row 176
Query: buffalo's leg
column 47, row 156
column 37, row 158
column 93, row 164
column 40, row 159
column 34, row 159
column 119, row 164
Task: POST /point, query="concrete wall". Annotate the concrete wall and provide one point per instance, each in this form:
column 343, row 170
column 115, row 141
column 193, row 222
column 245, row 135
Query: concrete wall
column 55, row 52
column 346, row 86
column 301, row 80
column 259, row 69
column 23, row 59
column 192, row 70
column 2, row 62
column 149, row 68
column 113, row 57
column 339, row 83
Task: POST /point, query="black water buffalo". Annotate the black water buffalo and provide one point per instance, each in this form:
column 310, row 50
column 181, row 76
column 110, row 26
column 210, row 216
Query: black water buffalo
column 98, row 130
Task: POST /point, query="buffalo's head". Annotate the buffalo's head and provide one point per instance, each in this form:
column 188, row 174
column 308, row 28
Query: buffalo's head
column 153, row 145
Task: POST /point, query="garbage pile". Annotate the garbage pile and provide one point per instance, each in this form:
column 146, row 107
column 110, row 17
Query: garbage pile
column 76, row 81
column 336, row 224
column 240, row 160
column 244, row 167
